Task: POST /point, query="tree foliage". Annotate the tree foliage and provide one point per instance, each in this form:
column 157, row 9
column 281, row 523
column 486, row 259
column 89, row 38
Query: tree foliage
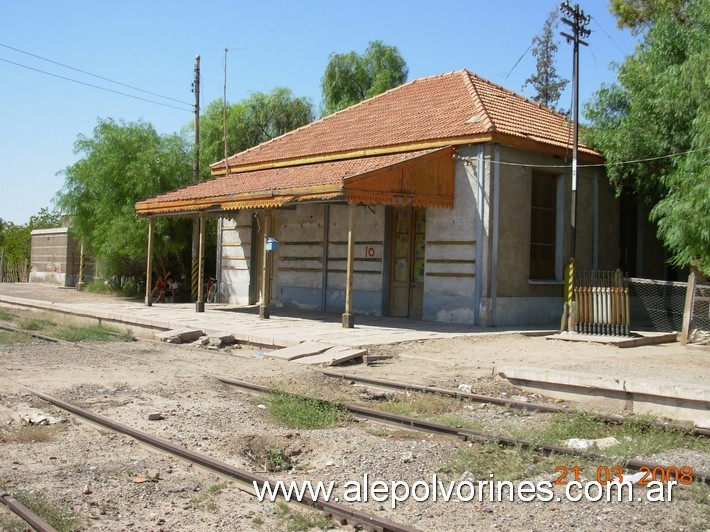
column 350, row 78
column 547, row 83
column 119, row 165
column 16, row 238
column 660, row 107
column 639, row 15
column 252, row 121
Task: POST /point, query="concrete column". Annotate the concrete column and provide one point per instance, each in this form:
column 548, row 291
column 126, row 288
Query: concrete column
column 149, row 264
column 348, row 318
column 264, row 313
column 200, row 305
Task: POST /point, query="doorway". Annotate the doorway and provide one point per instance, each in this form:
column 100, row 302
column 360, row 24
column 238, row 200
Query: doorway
column 407, row 265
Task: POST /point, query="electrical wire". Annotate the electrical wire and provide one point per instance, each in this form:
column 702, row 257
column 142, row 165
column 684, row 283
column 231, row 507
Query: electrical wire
column 608, row 36
column 94, row 86
column 599, row 165
column 93, row 75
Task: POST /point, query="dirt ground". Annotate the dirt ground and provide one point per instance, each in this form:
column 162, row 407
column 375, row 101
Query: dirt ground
column 110, row 482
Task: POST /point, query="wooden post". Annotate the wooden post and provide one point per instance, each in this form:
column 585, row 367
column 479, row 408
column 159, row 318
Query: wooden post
column 348, row 318
column 149, row 265
column 200, row 305
column 2, row 265
column 688, row 309
column 264, row 313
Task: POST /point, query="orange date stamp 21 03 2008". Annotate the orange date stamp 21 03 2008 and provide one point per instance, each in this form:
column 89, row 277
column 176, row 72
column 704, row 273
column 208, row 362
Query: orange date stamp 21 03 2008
column 605, row 474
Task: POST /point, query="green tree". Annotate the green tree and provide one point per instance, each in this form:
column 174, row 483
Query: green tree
column 639, row 15
column 16, row 239
column 658, row 108
column 350, row 78
column 547, row 83
column 119, row 165
column 252, row 121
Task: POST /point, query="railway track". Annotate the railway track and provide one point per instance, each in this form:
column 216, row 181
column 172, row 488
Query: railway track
column 346, row 514
column 470, row 435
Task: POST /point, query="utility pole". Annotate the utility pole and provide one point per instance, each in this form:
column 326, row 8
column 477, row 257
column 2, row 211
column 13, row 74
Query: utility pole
column 577, row 20
column 195, row 180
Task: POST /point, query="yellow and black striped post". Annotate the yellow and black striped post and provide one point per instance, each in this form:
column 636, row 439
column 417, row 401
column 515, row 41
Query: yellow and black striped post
column 569, row 292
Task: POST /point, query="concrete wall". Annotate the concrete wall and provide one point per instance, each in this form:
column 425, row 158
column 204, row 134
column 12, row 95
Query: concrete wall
column 297, row 271
column 235, row 259
column 451, row 248
column 518, row 299
column 55, row 258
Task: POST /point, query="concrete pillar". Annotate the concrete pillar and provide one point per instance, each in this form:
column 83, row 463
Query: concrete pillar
column 348, row 318
column 149, row 264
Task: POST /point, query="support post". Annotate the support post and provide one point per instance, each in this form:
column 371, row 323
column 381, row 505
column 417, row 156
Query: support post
column 80, row 284
column 149, row 264
column 348, row 318
column 688, row 309
column 200, row 305
column 264, row 313
column 2, row 265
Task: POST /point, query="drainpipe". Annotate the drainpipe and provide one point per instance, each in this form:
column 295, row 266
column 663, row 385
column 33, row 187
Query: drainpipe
column 218, row 273
column 494, row 251
column 479, row 234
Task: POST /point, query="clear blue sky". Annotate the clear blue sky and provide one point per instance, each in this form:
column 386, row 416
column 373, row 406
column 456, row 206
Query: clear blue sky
column 152, row 46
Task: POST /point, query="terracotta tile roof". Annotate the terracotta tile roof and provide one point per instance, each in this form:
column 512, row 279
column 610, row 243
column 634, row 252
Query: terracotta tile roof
column 263, row 182
column 447, row 106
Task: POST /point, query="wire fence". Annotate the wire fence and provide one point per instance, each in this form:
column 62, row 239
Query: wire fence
column 657, row 305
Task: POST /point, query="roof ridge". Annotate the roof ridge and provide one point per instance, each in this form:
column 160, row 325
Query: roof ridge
column 478, row 101
column 519, row 96
column 356, row 105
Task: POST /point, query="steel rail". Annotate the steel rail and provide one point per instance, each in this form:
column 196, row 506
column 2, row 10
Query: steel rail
column 328, row 507
column 509, row 403
column 467, row 434
column 27, row 515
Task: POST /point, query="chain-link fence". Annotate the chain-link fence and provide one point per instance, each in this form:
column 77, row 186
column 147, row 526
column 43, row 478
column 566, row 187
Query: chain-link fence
column 657, row 305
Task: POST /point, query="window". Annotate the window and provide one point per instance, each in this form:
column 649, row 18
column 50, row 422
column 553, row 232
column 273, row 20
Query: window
column 543, row 224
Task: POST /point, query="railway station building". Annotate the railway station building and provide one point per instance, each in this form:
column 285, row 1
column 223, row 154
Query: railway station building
column 447, row 198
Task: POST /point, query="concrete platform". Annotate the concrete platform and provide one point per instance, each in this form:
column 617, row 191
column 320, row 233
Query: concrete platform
column 636, row 339
column 306, row 349
column 333, row 356
column 647, row 396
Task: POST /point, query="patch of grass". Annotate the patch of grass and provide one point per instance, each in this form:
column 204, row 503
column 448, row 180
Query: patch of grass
column 35, row 324
column 29, row 434
column 505, row 463
column 59, row 516
column 7, row 338
column 98, row 287
column 302, row 522
column 257, row 520
column 638, row 436
column 6, row 316
column 91, row 333
column 419, row 405
column 304, row 413
column 206, row 499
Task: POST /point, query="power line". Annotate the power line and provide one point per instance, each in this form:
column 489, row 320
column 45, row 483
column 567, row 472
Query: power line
column 598, row 165
column 93, row 75
column 94, row 86
column 608, row 36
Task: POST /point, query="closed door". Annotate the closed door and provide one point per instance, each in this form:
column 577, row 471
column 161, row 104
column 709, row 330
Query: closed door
column 407, row 270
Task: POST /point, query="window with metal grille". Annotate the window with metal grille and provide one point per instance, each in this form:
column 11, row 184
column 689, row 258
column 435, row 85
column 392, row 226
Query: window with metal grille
column 543, row 222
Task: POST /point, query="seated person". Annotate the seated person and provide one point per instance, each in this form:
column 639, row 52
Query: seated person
column 160, row 287
column 170, row 290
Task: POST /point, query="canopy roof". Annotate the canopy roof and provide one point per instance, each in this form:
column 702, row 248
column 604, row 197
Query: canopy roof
column 421, row 178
